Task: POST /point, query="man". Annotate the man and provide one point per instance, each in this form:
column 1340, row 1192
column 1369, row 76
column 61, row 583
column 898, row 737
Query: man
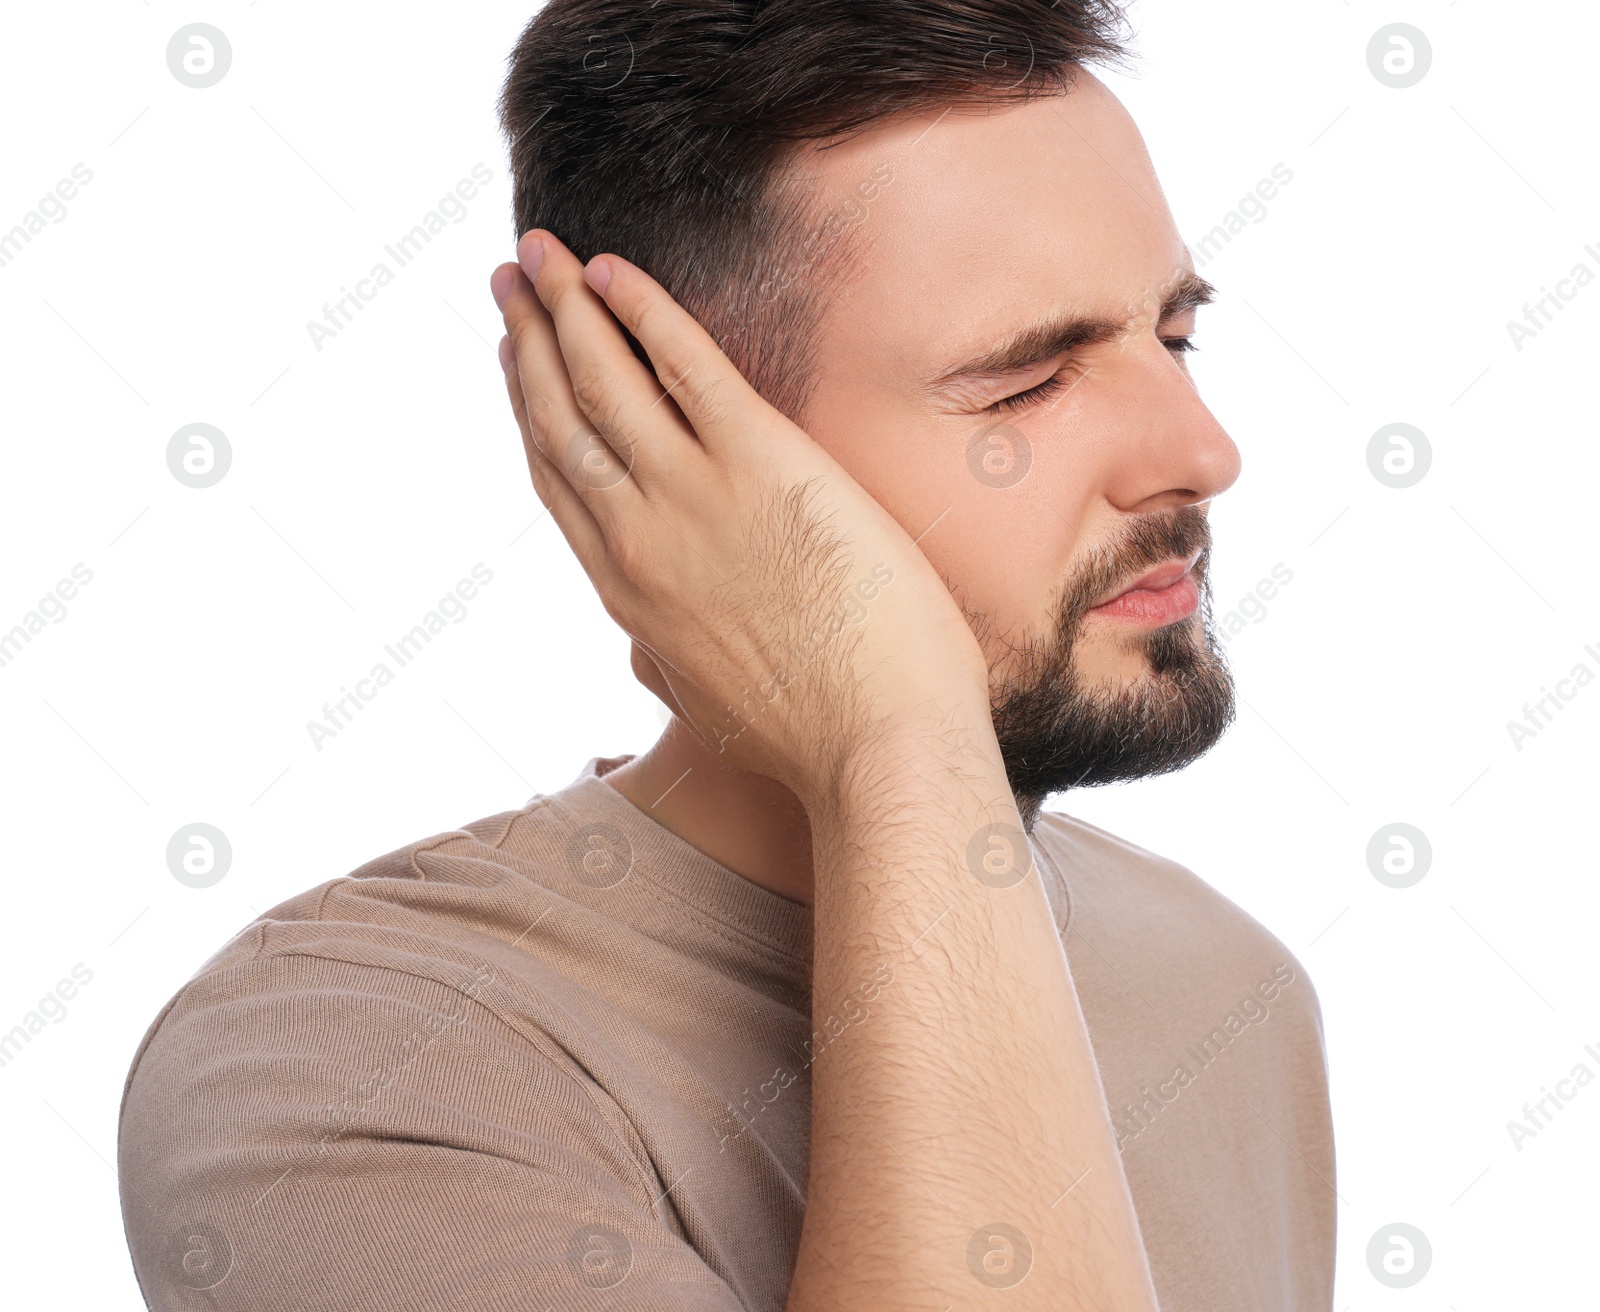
column 896, row 476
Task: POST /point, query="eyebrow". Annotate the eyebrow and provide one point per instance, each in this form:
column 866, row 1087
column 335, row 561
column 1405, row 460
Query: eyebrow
column 1056, row 334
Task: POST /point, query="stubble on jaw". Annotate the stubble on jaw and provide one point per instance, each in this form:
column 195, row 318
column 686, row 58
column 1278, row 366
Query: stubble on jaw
column 1059, row 731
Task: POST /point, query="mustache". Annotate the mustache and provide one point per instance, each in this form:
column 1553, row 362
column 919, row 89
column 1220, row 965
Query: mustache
column 1058, row 733
column 1144, row 542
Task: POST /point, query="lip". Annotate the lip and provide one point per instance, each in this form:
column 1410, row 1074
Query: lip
column 1160, row 596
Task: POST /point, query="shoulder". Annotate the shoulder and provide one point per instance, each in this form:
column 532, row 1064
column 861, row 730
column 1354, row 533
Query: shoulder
column 411, row 922
column 408, row 973
column 428, row 902
column 316, row 1110
column 1151, row 911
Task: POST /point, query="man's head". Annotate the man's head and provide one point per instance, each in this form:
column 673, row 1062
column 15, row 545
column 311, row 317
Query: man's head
column 930, row 237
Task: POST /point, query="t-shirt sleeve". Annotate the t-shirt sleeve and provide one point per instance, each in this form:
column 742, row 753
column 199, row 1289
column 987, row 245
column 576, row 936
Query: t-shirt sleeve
column 302, row 1133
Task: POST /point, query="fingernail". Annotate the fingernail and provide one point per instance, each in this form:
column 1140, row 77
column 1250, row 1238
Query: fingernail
column 500, row 285
column 597, row 273
column 508, row 354
column 531, row 255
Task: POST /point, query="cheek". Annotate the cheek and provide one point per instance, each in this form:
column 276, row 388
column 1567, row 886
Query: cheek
column 1012, row 547
column 1006, row 523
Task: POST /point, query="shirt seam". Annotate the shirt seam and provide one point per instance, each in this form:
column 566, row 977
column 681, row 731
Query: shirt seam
column 725, row 929
column 1065, row 928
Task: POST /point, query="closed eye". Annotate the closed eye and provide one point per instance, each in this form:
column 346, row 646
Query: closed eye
column 1051, row 386
column 1066, row 377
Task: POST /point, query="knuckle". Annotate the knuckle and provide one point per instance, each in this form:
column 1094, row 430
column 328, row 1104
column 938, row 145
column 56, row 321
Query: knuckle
column 554, row 291
column 539, row 417
column 520, row 310
column 588, row 386
column 628, row 556
column 642, row 316
column 711, row 400
column 607, row 419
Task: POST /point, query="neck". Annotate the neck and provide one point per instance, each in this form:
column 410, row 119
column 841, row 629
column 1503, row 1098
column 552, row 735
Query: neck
column 751, row 824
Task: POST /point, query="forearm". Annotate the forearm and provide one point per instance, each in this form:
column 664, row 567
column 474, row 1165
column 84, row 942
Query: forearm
column 723, row 543
column 968, row 1095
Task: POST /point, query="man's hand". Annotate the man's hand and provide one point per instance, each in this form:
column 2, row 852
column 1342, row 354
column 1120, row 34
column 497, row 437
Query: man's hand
column 961, row 1148
column 792, row 618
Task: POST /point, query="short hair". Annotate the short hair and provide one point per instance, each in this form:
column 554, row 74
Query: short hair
column 661, row 132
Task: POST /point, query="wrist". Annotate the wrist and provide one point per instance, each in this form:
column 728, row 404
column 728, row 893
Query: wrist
column 942, row 761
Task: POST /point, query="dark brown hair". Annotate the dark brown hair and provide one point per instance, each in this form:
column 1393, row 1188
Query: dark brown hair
column 660, row 131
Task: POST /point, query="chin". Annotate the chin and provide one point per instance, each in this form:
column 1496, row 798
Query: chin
column 1059, row 728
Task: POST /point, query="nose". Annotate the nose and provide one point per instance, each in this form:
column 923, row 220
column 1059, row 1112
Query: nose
column 1164, row 447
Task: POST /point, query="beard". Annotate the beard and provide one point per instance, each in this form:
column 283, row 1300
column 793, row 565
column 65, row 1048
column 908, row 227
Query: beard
column 1057, row 732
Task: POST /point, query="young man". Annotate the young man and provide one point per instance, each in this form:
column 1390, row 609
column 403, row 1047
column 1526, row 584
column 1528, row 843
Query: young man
column 895, row 474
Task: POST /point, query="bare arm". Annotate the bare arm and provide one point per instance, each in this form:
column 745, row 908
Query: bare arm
column 962, row 1154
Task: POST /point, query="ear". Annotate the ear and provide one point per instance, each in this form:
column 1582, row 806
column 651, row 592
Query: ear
column 649, row 673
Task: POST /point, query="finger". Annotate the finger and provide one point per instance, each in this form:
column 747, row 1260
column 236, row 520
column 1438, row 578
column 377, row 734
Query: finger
column 559, row 427
column 612, row 386
column 550, row 408
column 710, row 391
column 575, row 520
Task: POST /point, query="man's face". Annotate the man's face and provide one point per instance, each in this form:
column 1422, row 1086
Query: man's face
column 1041, row 477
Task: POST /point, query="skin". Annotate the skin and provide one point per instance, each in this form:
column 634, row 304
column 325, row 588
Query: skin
column 864, row 786
column 1087, row 230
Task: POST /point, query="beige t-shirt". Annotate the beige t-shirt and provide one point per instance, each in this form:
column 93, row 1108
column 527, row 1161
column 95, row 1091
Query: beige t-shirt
column 560, row 1059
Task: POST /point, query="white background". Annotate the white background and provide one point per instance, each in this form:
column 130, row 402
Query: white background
column 369, row 476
